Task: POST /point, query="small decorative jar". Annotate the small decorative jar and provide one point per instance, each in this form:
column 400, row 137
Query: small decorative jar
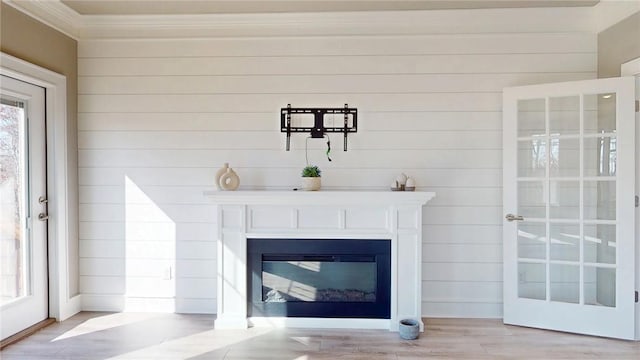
column 401, row 180
column 410, row 185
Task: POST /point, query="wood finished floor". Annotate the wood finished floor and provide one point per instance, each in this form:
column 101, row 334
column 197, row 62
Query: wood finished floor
column 171, row 336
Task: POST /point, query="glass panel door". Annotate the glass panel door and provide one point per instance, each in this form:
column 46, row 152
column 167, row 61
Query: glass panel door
column 566, row 261
column 23, row 260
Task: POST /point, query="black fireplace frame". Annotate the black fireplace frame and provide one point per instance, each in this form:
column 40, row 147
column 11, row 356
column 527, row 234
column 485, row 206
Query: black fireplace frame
column 380, row 249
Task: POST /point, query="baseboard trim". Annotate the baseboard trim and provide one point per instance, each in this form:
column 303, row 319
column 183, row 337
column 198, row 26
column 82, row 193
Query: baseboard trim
column 26, row 332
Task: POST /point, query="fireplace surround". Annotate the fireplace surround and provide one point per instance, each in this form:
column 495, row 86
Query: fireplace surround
column 393, row 217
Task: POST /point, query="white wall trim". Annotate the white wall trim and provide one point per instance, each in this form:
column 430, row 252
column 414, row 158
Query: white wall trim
column 632, row 68
column 468, row 21
column 61, row 304
column 112, row 303
column 610, row 12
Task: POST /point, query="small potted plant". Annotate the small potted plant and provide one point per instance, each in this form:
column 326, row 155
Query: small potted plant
column 311, row 178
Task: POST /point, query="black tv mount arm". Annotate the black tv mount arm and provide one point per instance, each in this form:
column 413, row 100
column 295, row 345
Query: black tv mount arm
column 318, row 130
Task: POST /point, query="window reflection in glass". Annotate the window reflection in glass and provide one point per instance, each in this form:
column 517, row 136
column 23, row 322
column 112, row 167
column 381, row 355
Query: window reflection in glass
column 14, row 269
column 533, row 159
column 600, row 156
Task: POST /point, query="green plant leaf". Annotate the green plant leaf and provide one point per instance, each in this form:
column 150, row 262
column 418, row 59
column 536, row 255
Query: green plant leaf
column 311, row 171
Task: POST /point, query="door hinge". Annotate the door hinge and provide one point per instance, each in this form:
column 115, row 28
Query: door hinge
column 636, row 296
column 637, row 105
column 637, row 201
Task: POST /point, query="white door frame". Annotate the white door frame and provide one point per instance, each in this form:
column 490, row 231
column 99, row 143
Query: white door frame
column 632, row 68
column 61, row 304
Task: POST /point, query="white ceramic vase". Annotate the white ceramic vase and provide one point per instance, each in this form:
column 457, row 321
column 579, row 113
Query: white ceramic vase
column 219, row 174
column 226, row 179
column 229, row 181
column 311, row 183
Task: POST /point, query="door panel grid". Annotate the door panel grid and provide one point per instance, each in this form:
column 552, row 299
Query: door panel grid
column 556, row 155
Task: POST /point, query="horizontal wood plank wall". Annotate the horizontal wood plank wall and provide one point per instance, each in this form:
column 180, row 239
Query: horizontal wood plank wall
column 159, row 117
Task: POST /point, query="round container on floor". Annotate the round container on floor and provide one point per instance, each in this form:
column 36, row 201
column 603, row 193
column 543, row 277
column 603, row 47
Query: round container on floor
column 409, row 329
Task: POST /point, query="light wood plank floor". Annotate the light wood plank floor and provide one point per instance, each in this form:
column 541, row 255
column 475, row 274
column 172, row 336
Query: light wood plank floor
column 171, row 336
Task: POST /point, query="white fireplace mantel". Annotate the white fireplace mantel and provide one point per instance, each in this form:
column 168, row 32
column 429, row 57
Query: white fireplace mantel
column 383, row 215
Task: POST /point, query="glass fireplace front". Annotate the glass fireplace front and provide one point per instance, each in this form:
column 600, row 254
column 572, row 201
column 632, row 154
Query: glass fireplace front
column 319, row 278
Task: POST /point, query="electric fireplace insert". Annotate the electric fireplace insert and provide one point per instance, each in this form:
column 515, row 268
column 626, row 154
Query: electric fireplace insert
column 327, row 278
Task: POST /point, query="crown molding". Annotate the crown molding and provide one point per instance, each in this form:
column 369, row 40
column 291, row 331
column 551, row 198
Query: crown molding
column 52, row 13
column 611, row 12
column 335, row 24
column 474, row 21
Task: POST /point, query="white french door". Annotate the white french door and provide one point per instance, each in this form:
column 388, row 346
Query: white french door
column 569, row 177
column 23, row 225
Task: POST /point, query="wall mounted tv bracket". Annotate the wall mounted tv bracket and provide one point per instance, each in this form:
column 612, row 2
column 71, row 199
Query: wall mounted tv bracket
column 318, row 130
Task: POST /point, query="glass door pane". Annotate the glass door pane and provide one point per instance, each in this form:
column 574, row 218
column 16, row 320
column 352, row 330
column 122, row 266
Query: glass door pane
column 565, row 157
column 600, row 157
column 600, row 200
column 565, row 283
column 564, row 115
column 531, row 199
column 531, row 117
column 532, row 280
column 565, row 242
column 600, row 286
column 564, row 200
column 599, row 113
column 14, row 244
column 532, row 240
column 600, row 244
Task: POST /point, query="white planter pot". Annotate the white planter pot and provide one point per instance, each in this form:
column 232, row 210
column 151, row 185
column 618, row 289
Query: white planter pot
column 311, row 183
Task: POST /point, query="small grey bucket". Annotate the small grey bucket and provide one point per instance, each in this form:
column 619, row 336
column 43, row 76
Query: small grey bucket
column 409, row 329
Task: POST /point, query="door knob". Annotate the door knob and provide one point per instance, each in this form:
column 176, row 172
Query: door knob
column 511, row 217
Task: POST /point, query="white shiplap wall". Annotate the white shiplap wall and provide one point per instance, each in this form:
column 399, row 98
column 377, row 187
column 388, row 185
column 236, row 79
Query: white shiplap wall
column 158, row 117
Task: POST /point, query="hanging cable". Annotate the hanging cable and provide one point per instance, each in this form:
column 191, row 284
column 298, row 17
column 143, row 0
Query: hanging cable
column 306, row 148
column 328, row 147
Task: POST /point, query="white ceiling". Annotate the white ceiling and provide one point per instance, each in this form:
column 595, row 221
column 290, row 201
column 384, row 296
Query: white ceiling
column 183, row 7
